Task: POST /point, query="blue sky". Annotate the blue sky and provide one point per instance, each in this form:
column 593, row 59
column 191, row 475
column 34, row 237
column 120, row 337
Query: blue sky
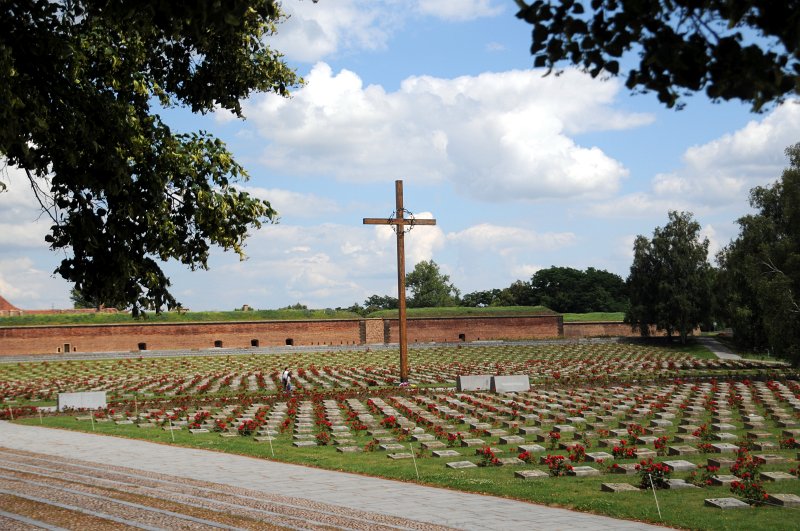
column 521, row 171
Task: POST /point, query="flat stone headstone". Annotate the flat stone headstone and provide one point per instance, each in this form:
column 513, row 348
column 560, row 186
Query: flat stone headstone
column 391, row 446
column 720, row 462
column 599, row 456
column 474, row 382
column 349, row 449
column 496, row 432
column 682, row 450
column 510, row 461
column 303, row 444
column 529, row 430
column 784, row 500
column 726, row 503
column 769, row 458
column 764, row 445
column 123, row 422
column 422, row 437
column 511, row 439
column 461, row 464
column 445, row 453
column 618, row 487
column 680, row 465
column 195, row 431
column 405, row 455
column 724, row 436
column 433, row 445
column 512, row 383
column 724, row 448
column 582, row 471
column 776, row 476
column 723, row 479
column 531, row 448
column 530, row 474
column 675, row 484
column 563, row 428
column 146, row 425
column 472, row 442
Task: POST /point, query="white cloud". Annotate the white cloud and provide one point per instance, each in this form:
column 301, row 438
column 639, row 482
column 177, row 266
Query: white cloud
column 497, row 136
column 723, row 171
column 316, row 30
column 459, row 10
column 292, row 205
column 508, row 240
column 638, row 205
column 25, row 285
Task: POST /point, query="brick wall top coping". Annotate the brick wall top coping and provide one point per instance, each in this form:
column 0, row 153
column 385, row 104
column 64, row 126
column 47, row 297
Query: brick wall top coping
column 272, row 321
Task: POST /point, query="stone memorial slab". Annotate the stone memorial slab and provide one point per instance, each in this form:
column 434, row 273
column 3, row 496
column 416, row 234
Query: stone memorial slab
column 391, row 446
column 530, row 474
column 599, row 456
column 723, row 479
column 195, row 431
column 303, row 444
column 769, row 458
column 472, row 442
column 511, row 439
column 512, row 383
column 720, row 462
column 529, row 430
column 623, row 468
column 400, row 456
column 680, row 465
column 496, row 433
column 582, row 471
column 433, row 445
column 264, row 438
column 422, row 437
column 510, row 461
column 777, row 476
column 726, row 503
column 724, row 448
column 618, row 487
column 784, row 500
column 474, row 382
column 682, row 450
column 349, row 449
column 675, row 484
column 531, row 448
column 228, row 435
column 445, row 453
column 724, row 436
column 764, row 445
column 82, row 400
column 461, row 464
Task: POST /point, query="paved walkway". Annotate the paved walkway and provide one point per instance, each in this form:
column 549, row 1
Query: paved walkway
column 425, row 504
column 718, row 349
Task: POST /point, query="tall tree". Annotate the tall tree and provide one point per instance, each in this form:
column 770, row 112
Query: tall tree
column 569, row 290
column 733, row 49
column 760, row 270
column 670, row 278
column 429, row 287
column 78, row 81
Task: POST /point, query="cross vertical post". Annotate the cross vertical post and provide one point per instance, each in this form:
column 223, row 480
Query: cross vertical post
column 399, row 222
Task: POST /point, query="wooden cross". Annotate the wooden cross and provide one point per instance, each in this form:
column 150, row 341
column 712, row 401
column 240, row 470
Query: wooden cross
column 400, row 222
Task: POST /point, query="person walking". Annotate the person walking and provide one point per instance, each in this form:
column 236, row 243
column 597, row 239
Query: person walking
column 284, row 375
column 288, row 386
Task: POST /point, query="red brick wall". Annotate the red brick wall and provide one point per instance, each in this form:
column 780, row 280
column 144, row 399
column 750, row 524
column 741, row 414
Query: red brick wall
column 170, row 336
column 606, row 329
column 423, row 330
column 114, row 338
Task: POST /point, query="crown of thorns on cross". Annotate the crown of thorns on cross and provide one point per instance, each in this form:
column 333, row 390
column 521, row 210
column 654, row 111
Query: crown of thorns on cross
column 403, row 214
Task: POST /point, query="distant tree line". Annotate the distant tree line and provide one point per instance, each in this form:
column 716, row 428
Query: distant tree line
column 562, row 289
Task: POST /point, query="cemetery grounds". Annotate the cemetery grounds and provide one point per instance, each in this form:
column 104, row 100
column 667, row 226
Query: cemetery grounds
column 626, row 429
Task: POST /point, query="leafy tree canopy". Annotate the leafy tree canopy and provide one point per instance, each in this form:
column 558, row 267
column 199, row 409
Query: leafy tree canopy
column 760, row 270
column 670, row 278
column 429, row 287
column 78, row 80
column 733, row 49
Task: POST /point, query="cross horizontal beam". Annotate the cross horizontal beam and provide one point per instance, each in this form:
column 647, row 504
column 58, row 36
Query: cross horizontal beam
column 398, row 221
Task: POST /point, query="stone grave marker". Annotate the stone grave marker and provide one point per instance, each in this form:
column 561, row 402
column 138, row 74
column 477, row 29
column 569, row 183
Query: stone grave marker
column 461, row 464
column 777, row 476
column 474, row 382
column 530, row 474
column 512, row 383
column 680, row 465
column 582, row 471
column 726, row 503
column 618, row 487
column 82, row 400
column 445, row 453
column 784, row 500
